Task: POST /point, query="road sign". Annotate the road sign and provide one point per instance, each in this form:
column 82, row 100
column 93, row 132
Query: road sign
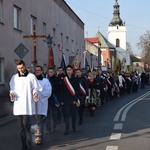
column 21, row 51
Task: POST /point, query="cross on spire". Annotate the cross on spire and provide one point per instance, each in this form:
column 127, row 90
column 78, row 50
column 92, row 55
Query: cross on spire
column 34, row 37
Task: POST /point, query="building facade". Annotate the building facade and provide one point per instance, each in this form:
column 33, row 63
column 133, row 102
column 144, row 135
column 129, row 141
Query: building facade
column 93, row 52
column 54, row 17
column 108, row 52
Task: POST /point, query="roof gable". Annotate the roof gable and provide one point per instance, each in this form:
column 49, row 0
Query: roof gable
column 104, row 42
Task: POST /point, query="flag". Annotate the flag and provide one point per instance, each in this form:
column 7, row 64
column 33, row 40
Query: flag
column 59, row 47
column 50, row 57
column 63, row 61
column 75, row 61
column 86, row 66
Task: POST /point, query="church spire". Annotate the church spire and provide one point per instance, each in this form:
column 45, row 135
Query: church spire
column 116, row 16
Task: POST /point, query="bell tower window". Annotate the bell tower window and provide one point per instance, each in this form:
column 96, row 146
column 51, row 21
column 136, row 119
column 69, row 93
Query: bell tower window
column 117, row 43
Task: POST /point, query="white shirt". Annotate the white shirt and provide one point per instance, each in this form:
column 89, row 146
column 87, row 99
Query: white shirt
column 43, row 96
column 24, row 89
column 120, row 81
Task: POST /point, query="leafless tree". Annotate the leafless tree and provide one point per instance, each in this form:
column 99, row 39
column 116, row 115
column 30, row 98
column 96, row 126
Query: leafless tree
column 144, row 44
column 129, row 48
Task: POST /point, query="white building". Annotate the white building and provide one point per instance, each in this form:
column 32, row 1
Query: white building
column 53, row 17
column 117, row 33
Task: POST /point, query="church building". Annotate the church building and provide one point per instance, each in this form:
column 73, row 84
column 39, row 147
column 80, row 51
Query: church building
column 117, row 33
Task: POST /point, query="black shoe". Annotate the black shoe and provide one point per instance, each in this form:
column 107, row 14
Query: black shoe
column 66, row 132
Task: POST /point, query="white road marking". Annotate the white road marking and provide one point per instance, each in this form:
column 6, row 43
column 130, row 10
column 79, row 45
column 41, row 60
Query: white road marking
column 118, row 126
column 128, row 104
column 127, row 109
column 112, row 148
column 124, row 110
column 146, row 98
column 115, row 136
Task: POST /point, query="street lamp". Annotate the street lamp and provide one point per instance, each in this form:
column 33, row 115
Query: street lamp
column 99, row 55
column 91, row 56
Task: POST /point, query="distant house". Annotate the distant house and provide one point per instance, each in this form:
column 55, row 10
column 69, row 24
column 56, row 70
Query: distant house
column 137, row 64
column 92, row 46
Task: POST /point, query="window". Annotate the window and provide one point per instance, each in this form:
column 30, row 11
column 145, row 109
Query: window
column 2, row 70
column 67, row 43
column 117, row 43
column 137, row 65
column 44, row 28
column 62, row 39
column 17, row 12
column 1, row 10
column 72, row 46
column 33, row 22
column 54, row 36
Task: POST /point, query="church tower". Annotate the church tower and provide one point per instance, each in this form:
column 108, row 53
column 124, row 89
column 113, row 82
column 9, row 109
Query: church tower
column 117, row 32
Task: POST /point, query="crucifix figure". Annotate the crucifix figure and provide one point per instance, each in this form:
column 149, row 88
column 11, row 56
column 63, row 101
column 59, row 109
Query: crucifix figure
column 34, row 37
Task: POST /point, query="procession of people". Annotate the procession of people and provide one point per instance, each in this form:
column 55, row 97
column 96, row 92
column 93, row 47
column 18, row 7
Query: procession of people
column 62, row 96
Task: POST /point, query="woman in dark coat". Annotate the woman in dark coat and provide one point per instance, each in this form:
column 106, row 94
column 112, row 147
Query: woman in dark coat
column 94, row 92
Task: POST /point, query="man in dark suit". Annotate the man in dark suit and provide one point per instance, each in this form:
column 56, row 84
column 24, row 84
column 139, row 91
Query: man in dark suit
column 70, row 98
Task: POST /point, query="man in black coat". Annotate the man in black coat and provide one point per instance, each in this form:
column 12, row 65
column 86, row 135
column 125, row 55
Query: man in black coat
column 110, row 85
column 53, row 101
column 83, row 94
column 70, row 98
column 101, row 81
column 143, row 80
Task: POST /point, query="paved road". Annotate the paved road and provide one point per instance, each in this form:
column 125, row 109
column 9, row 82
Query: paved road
column 5, row 106
column 121, row 124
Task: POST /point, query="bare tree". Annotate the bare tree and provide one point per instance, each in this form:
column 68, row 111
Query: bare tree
column 144, row 44
column 129, row 48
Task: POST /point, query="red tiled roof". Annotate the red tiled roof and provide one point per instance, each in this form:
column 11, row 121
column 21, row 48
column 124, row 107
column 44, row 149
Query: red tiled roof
column 93, row 40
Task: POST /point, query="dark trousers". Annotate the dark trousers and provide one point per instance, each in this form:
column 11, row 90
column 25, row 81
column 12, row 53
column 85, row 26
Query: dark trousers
column 134, row 87
column 110, row 96
column 80, row 111
column 24, row 123
column 70, row 109
column 128, row 88
column 102, row 97
column 52, row 114
column 142, row 85
column 41, row 124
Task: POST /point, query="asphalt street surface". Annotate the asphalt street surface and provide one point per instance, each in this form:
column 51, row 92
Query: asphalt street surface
column 121, row 124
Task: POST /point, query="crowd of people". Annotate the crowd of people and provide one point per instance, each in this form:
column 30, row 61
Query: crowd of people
column 54, row 97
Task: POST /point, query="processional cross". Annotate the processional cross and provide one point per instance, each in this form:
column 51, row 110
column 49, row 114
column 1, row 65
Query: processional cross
column 34, row 37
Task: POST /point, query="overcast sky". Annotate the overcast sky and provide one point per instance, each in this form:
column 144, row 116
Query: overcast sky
column 97, row 14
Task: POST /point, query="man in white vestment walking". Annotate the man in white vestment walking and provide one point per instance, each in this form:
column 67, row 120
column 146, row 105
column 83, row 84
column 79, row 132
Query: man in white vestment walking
column 24, row 89
column 43, row 97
